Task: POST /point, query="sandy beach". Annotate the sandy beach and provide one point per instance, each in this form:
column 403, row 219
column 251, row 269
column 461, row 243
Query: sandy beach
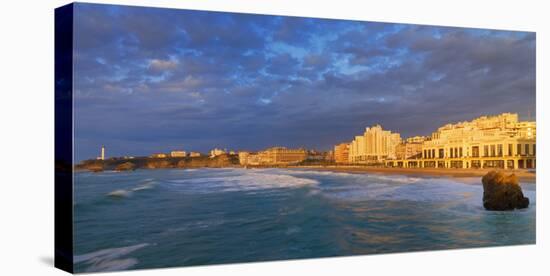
column 523, row 175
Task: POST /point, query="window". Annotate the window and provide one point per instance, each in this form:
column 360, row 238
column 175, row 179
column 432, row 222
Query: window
column 456, row 164
column 475, row 151
column 499, row 150
column 493, row 164
column 534, row 149
column 433, row 153
column 451, row 152
column 526, row 149
column 518, row 149
column 493, row 150
column 460, row 152
column 485, row 150
column 510, row 150
column 441, row 153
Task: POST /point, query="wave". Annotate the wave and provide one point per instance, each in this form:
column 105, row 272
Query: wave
column 359, row 176
column 249, row 181
column 109, row 259
column 120, row 193
column 293, row 230
column 145, row 186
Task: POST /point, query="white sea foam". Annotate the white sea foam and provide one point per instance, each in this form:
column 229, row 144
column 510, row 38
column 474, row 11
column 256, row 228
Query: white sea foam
column 361, row 187
column 403, row 179
column 248, row 181
column 145, row 186
column 109, row 259
column 293, row 230
column 119, row 193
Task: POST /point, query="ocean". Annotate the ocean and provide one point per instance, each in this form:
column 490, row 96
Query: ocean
column 176, row 217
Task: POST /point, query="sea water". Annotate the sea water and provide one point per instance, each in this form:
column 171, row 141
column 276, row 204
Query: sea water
column 175, row 217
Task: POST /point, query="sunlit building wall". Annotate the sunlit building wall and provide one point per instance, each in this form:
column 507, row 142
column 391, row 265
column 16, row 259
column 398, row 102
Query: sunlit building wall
column 341, row 153
column 273, row 156
column 375, row 145
column 178, row 153
column 499, row 141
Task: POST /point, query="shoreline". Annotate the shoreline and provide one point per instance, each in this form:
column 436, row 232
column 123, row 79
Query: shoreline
column 523, row 175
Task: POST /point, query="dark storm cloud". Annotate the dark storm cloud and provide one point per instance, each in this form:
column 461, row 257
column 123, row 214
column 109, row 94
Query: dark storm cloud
column 151, row 80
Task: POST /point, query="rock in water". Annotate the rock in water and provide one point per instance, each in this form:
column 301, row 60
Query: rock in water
column 502, row 192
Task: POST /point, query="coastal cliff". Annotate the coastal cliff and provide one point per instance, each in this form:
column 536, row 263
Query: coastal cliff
column 224, row 160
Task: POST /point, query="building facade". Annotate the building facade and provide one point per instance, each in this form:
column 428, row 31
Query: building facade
column 216, row 152
column 273, row 156
column 194, row 154
column 408, row 150
column 243, row 157
column 159, row 155
column 282, row 155
column 500, row 141
column 374, row 146
column 178, row 153
column 341, row 153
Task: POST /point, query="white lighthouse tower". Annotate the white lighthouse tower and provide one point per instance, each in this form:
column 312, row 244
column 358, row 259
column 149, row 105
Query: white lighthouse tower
column 102, row 152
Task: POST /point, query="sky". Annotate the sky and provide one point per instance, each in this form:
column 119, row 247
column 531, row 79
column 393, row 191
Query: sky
column 150, row 80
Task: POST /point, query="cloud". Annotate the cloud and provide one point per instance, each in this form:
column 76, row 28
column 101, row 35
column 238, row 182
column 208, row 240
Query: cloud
column 149, row 79
column 158, row 65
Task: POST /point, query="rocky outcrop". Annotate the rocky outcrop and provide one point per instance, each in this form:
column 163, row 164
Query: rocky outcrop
column 502, row 192
column 221, row 161
column 96, row 167
column 91, row 165
column 127, row 166
column 120, row 164
column 158, row 164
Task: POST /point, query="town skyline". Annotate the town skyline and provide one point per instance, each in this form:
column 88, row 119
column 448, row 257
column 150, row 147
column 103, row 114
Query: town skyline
column 213, row 151
column 253, row 81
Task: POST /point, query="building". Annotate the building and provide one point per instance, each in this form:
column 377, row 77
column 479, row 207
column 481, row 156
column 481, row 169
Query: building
column 282, row 155
column 374, row 146
column 249, row 158
column 416, row 139
column 314, row 155
column 527, row 129
column 178, row 153
column 194, row 154
column 341, row 153
column 243, row 157
column 216, row 152
column 357, row 150
column 273, row 156
column 499, row 141
column 159, row 155
column 102, row 154
column 329, row 156
column 408, row 150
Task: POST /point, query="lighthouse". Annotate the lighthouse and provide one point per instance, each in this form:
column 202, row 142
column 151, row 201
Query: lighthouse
column 102, row 152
